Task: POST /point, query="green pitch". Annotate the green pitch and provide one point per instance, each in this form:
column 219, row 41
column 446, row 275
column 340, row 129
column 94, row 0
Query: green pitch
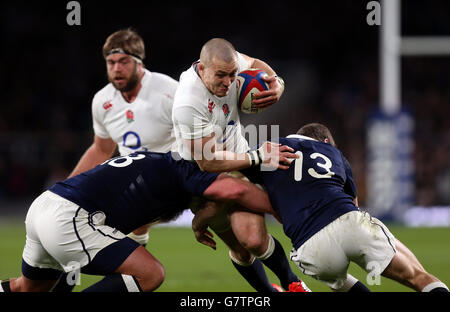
column 191, row 266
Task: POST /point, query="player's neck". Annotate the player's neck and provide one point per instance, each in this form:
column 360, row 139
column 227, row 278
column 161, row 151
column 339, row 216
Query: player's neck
column 131, row 95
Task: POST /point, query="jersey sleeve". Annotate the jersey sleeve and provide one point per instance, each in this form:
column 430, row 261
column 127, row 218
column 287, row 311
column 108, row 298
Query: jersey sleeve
column 193, row 179
column 167, row 108
column 97, row 118
column 349, row 186
column 242, row 63
column 168, row 87
column 191, row 123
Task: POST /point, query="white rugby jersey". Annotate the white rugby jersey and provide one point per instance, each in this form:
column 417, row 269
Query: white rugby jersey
column 198, row 113
column 146, row 123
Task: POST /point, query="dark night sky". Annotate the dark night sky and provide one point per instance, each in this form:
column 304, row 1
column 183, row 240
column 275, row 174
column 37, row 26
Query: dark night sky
column 324, row 50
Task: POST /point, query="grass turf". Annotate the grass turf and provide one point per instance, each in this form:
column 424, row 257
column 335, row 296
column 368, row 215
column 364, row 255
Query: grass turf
column 192, row 267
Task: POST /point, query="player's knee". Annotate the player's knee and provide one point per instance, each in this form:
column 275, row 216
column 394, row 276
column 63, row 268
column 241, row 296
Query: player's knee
column 159, row 276
column 153, row 278
column 252, row 234
column 255, row 243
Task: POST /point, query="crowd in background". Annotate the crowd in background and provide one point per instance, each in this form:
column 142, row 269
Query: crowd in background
column 327, row 55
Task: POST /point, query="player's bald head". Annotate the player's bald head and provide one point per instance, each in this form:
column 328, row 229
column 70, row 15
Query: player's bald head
column 218, row 49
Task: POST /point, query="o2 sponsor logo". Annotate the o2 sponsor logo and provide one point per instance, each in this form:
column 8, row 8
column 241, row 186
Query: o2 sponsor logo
column 132, row 140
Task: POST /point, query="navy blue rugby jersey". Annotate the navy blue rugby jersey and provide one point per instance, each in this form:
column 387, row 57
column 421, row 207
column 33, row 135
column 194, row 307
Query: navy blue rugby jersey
column 317, row 188
column 136, row 189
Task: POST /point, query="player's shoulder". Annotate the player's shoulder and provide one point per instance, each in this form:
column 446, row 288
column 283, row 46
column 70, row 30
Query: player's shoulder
column 104, row 95
column 190, row 80
column 158, row 83
column 242, row 62
column 161, row 79
column 285, row 140
column 191, row 91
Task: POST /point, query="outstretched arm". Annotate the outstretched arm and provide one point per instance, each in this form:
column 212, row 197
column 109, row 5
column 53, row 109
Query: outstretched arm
column 225, row 193
column 97, row 153
column 244, row 193
column 211, row 159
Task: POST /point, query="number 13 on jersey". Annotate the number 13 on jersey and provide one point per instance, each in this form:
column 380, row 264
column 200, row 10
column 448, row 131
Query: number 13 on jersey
column 298, row 167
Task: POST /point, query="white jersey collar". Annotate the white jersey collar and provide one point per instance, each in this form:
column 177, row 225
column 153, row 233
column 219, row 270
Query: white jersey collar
column 146, row 76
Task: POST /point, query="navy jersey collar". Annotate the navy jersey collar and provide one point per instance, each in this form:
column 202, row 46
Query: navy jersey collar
column 298, row 136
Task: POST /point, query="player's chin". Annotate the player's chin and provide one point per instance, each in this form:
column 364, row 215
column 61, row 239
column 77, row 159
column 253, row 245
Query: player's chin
column 222, row 92
column 123, row 86
column 119, row 85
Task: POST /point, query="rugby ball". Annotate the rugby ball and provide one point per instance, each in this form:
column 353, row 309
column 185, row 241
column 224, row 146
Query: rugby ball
column 249, row 82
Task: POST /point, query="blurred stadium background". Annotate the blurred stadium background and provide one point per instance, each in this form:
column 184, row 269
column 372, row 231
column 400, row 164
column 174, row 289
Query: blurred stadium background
column 329, row 58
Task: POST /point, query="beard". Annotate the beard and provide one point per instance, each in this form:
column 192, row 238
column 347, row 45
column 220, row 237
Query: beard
column 130, row 84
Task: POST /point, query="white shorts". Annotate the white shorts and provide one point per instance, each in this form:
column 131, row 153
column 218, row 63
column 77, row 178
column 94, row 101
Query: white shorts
column 63, row 236
column 354, row 236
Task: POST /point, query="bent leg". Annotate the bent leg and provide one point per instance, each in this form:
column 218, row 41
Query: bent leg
column 251, row 231
column 140, row 271
column 215, row 215
column 33, row 279
column 351, row 284
column 407, row 270
column 236, row 249
column 62, row 285
column 148, row 271
column 24, row 284
column 246, row 264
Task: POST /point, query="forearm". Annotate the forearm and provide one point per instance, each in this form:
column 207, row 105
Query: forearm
column 257, row 63
column 254, row 199
column 224, row 161
column 92, row 157
column 243, row 193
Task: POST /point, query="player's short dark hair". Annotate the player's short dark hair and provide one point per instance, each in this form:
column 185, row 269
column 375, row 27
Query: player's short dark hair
column 317, row 131
column 126, row 39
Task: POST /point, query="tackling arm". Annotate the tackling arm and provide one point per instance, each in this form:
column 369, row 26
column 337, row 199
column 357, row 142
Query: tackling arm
column 98, row 152
column 211, row 160
column 224, row 190
column 244, row 193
